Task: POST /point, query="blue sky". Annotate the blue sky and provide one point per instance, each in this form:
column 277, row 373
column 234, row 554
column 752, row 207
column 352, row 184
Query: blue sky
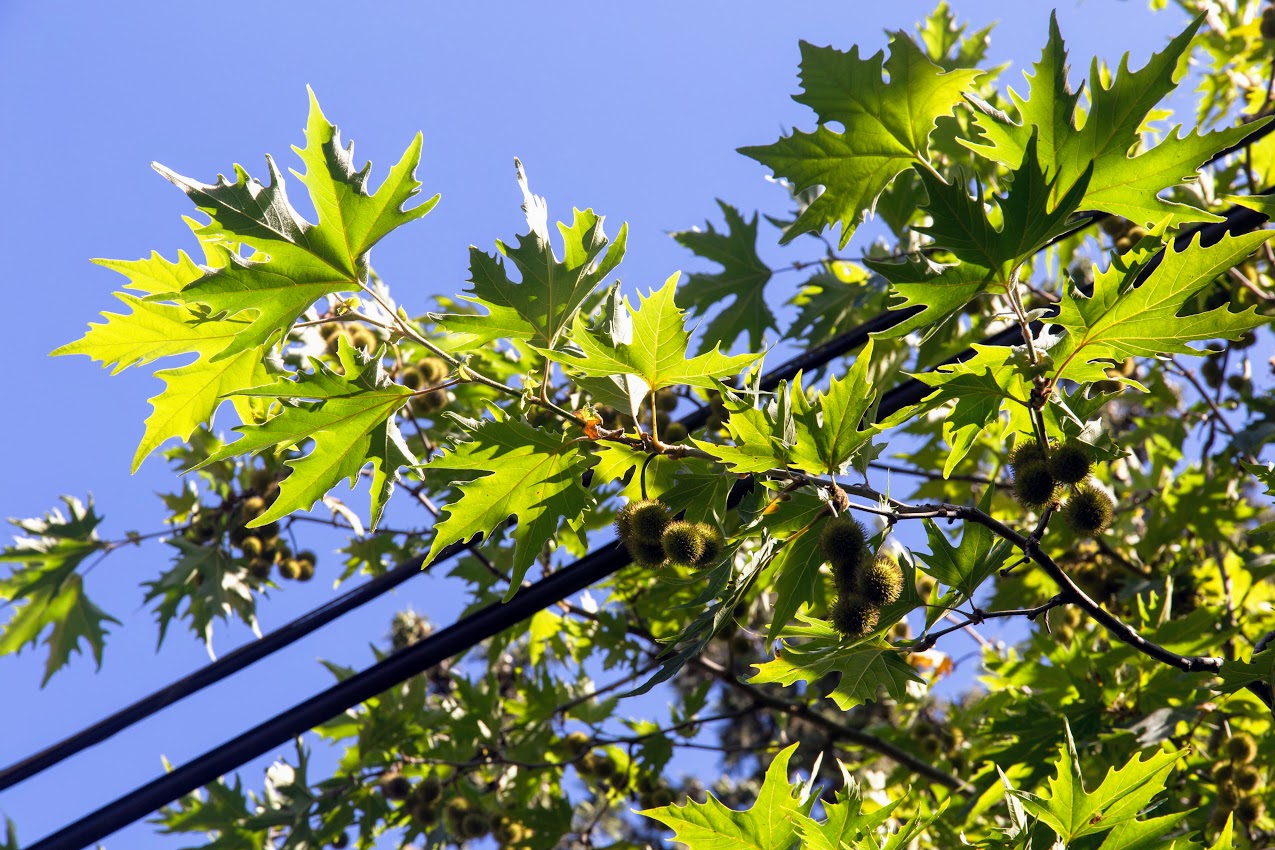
column 632, row 109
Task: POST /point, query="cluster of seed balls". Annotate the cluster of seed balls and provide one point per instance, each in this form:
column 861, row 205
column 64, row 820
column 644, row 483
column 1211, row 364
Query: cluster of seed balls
column 429, row 371
column 462, row 820
column 602, row 767
column 864, row 583
column 665, row 403
column 261, row 546
column 1238, row 781
column 1041, row 479
column 654, row 538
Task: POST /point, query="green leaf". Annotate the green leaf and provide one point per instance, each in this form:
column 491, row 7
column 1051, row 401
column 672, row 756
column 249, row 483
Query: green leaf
column 524, row 472
column 1122, row 320
column 939, row 290
column 46, row 593
column 797, row 577
column 742, row 281
column 865, row 668
column 887, row 128
column 550, row 291
column 350, row 419
column 1237, row 675
column 655, row 351
column 965, row 567
column 1032, row 213
column 209, row 582
column 770, row 824
column 1072, row 812
column 1072, row 143
column 305, row 261
column 980, row 388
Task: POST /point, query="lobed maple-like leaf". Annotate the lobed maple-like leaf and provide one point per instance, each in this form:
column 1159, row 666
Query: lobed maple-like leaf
column 303, row 261
column 886, row 128
column 739, row 289
column 940, row 290
column 204, row 583
column 1123, row 320
column 1072, row 811
column 966, row 566
column 865, row 668
column 518, row 471
column 1100, row 140
column 45, row 592
column 350, row 418
column 770, row 824
column 655, row 352
column 550, row 291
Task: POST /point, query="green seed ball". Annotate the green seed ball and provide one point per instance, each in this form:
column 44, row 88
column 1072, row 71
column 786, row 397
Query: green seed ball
column 853, row 616
column 714, row 544
column 259, row 568
column 411, row 378
column 430, row 790
column 1223, row 773
column 1089, row 510
column 646, row 554
column 394, row 786
column 1247, row 778
column 881, row 582
column 683, row 542
column 1227, row 795
column 433, row 369
column 843, row 544
column 648, row 519
column 308, row 555
column 363, row 339
column 1034, row 486
column 666, row 401
column 1026, row 453
column 305, row 570
column 1249, row 809
column 329, row 330
column 1241, row 748
column 1071, row 462
column 675, row 432
column 252, row 507
column 250, row 546
column 290, row 569
column 342, row 840
column 475, row 825
column 1267, row 26
column 576, row 743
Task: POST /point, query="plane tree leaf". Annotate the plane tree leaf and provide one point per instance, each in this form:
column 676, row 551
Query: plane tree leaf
column 886, row 128
column 349, row 417
column 550, row 291
column 46, row 593
column 656, row 352
column 739, row 289
column 298, row 262
column 519, row 471
column 1122, row 319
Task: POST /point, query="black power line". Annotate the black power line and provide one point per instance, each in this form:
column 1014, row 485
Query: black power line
column 475, row 628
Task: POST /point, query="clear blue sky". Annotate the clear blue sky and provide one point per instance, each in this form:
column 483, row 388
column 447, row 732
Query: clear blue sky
column 633, row 109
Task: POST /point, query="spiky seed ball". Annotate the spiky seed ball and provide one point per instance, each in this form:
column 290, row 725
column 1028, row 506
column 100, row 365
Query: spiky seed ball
column 843, row 542
column 853, row 616
column 1223, row 773
column 1267, row 26
column 308, row 555
column 290, row 569
column 1247, row 778
column 1071, row 462
column 363, row 339
column 646, row 554
column 1241, row 748
column 714, row 543
column 588, row 765
column 259, row 568
column 411, row 378
column 250, row 546
column 575, row 744
column 342, row 840
column 394, row 785
column 429, row 790
column 475, row 825
column 433, row 369
column 881, row 582
column 281, row 552
column 674, row 432
column 604, row 765
column 252, row 507
column 1089, row 510
column 305, row 570
column 329, row 330
column 648, row 519
column 683, row 542
column 454, row 814
column 1026, row 453
column 1249, row 809
column 666, row 400
column 1034, row 486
